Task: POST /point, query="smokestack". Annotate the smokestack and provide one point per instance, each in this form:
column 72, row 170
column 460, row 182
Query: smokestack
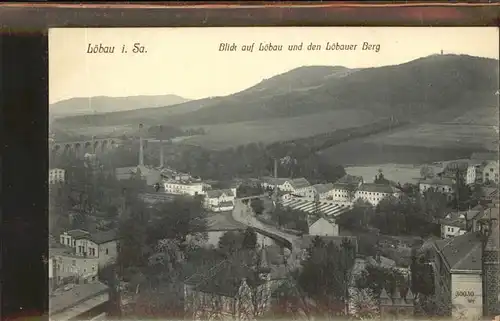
column 141, row 147
column 161, row 146
column 275, row 168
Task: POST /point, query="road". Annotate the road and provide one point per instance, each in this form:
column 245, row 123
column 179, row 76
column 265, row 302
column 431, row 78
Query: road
column 244, row 214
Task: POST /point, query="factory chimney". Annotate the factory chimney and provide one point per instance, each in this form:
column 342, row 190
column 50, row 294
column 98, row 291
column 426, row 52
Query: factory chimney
column 141, row 147
column 161, row 146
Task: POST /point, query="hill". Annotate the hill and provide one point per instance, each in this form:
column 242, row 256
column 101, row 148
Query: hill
column 421, row 86
column 435, row 89
column 104, row 104
column 298, row 79
column 424, row 85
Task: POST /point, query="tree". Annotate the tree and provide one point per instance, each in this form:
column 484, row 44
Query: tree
column 60, row 203
column 421, row 275
column 325, row 275
column 377, row 278
column 426, row 172
column 357, row 218
column 257, row 205
column 290, row 218
column 177, row 219
column 231, row 242
column 132, row 241
column 249, row 239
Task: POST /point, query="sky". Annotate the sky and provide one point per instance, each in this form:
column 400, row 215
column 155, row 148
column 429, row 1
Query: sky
column 187, row 61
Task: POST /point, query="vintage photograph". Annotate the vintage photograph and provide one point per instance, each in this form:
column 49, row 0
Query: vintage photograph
column 292, row 173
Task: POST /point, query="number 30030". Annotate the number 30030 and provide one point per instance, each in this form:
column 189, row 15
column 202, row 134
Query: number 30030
column 464, row 293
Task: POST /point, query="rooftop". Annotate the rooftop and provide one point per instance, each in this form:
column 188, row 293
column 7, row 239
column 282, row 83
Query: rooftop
column 377, row 188
column 104, row 237
column 298, row 183
column 61, row 250
column 462, row 252
column 78, row 234
column 490, row 192
column 274, row 180
column 216, row 193
column 438, row 181
column 183, row 182
column 323, row 188
column 381, row 261
column 68, row 297
column 319, row 220
column 309, row 206
column 225, row 278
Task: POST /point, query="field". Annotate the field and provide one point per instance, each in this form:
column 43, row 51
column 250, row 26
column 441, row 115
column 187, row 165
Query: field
column 99, row 131
column 441, row 135
column 479, row 116
column 272, row 130
column 401, row 173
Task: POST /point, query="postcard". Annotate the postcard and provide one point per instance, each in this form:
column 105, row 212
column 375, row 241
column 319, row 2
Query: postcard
column 274, row 172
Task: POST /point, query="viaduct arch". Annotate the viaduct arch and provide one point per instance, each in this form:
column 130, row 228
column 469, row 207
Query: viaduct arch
column 80, row 148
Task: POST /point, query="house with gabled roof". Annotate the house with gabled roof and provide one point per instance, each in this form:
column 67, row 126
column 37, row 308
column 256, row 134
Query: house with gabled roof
column 320, row 191
column 457, row 269
column 374, row 193
column 445, row 186
column 220, row 200
column 231, row 288
column 102, row 245
column 323, row 227
column 297, row 186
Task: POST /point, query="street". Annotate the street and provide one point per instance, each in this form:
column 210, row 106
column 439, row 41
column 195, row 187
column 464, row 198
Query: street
column 244, row 214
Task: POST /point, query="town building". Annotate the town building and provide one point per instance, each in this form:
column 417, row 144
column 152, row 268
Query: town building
column 320, row 191
column 57, row 175
column 342, row 193
column 67, row 267
column 101, row 245
column 229, row 290
column 323, row 227
column 457, row 270
column 344, row 189
column 125, row 173
column 88, row 301
column 374, row 193
column 490, row 195
column 466, row 270
column 220, row 200
column 490, row 172
column 474, row 174
column 443, row 185
column 190, row 188
column 297, row 186
column 453, row 224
